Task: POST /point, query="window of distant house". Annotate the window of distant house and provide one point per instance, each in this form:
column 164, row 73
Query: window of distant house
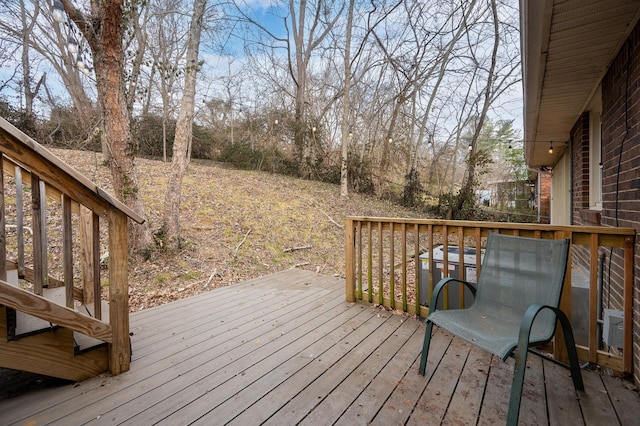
column 595, row 151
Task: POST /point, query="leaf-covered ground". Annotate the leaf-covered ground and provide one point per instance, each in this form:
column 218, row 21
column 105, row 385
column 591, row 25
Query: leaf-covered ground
column 236, row 225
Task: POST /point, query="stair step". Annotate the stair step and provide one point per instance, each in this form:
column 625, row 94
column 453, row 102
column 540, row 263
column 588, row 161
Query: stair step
column 26, row 325
column 84, row 342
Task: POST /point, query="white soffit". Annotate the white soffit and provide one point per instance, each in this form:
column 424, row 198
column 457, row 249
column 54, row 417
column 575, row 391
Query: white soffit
column 567, row 47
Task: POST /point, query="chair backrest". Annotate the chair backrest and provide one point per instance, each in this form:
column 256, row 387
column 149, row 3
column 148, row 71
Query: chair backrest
column 517, row 272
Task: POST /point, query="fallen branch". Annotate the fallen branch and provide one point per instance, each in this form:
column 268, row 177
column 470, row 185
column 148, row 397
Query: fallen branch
column 313, row 204
column 235, row 253
column 215, row 272
column 297, row 265
column 289, row 250
column 331, row 220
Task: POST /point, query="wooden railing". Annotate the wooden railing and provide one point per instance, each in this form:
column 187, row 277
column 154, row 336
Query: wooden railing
column 393, row 262
column 70, row 223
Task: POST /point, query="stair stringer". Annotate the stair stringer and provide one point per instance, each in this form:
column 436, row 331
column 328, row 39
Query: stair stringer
column 50, row 353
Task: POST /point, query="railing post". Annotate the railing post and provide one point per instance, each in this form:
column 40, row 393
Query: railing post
column 594, row 308
column 627, row 344
column 349, row 261
column 120, row 349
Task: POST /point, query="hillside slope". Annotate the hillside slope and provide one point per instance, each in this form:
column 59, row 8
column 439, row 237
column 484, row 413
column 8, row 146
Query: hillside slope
column 236, row 225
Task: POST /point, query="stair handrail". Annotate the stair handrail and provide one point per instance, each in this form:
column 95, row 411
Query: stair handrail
column 50, row 177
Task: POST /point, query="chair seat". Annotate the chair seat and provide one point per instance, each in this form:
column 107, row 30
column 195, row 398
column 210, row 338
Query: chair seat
column 494, row 334
column 515, row 306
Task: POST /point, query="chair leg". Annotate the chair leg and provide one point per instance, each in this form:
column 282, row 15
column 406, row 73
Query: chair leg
column 569, row 341
column 425, row 347
column 517, row 385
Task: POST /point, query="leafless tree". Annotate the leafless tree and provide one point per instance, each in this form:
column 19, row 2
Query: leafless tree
column 103, row 28
column 307, row 24
column 499, row 76
column 171, row 216
column 38, row 35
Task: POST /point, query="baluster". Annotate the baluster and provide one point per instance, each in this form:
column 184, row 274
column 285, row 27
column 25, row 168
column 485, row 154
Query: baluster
column 3, row 232
column 67, row 250
column 369, row 262
column 36, row 201
column 403, row 255
column 462, row 268
column 359, row 259
column 417, row 265
column 445, row 262
column 20, row 220
column 380, row 265
column 45, row 240
column 90, row 259
column 392, row 273
column 97, row 289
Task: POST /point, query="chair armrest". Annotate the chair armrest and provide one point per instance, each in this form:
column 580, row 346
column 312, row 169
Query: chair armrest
column 527, row 322
column 529, row 317
column 440, row 286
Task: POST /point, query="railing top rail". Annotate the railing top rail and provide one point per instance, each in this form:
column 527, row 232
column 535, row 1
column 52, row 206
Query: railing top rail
column 55, row 172
column 502, row 225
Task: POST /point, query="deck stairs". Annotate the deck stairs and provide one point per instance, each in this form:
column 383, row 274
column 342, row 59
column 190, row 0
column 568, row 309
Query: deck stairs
column 30, row 343
column 54, row 315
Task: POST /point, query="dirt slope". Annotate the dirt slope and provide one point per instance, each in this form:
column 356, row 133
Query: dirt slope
column 236, row 225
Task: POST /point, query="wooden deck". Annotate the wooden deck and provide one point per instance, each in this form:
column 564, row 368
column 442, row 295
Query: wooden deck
column 286, row 349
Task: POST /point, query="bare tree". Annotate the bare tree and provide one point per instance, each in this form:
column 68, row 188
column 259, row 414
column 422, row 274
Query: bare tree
column 171, row 216
column 344, row 178
column 307, row 24
column 30, row 92
column 39, row 35
column 167, row 30
column 103, row 29
column 498, row 78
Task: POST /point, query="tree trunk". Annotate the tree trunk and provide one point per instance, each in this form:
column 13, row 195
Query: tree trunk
column 29, row 93
column 344, row 176
column 104, row 32
column 171, row 216
column 468, row 187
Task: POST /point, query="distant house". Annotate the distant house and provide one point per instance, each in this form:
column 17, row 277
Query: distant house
column 581, row 74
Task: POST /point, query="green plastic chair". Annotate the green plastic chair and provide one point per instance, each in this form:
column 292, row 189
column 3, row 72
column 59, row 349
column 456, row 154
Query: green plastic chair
column 515, row 306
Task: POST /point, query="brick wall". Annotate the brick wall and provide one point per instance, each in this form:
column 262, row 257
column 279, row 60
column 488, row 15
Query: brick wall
column 544, row 197
column 580, row 182
column 621, row 171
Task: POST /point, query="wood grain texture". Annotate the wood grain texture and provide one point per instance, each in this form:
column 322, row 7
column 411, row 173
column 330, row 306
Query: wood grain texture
column 50, row 353
column 286, row 348
column 42, row 308
column 119, row 348
column 57, row 173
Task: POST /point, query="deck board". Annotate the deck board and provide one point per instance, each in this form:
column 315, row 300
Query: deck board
column 596, row 405
column 370, row 399
column 442, row 386
column 466, row 401
column 287, row 349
